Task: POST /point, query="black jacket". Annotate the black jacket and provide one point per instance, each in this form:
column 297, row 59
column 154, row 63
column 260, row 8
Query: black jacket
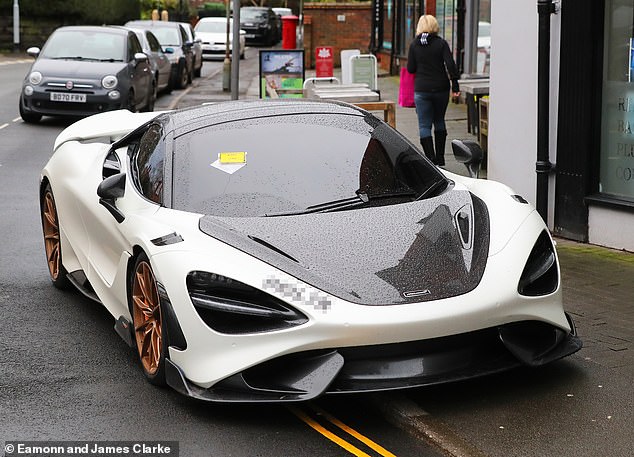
column 432, row 62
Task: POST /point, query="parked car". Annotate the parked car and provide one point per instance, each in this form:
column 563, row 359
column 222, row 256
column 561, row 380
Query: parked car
column 83, row 70
column 278, row 250
column 261, row 25
column 197, row 48
column 213, row 33
column 281, row 12
column 174, row 42
column 161, row 66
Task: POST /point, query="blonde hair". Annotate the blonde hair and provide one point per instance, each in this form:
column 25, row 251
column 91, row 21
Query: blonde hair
column 427, row 24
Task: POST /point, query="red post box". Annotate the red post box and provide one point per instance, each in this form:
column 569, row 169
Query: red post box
column 289, row 28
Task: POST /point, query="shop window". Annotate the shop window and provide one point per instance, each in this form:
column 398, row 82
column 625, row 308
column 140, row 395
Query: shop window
column 616, row 176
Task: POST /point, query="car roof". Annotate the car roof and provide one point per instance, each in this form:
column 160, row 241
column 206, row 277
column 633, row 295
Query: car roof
column 149, row 23
column 213, row 19
column 95, row 28
column 190, row 119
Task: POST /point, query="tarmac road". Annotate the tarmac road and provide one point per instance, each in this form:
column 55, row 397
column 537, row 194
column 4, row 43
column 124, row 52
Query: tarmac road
column 64, row 373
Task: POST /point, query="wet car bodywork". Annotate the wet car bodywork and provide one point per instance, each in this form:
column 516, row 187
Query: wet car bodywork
column 242, row 274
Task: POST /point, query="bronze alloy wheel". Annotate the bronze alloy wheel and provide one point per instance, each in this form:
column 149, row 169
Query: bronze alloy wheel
column 51, row 235
column 146, row 313
column 52, row 245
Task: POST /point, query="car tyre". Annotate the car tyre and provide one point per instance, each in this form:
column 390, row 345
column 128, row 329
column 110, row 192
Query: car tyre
column 152, row 96
column 52, row 240
column 130, row 106
column 148, row 321
column 182, row 77
column 29, row 118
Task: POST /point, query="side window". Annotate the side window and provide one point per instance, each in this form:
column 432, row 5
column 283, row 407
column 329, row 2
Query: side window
column 183, row 34
column 134, row 46
column 147, row 163
column 154, row 44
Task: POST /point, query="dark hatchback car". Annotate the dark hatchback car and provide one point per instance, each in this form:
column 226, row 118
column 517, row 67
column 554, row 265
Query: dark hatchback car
column 261, row 25
column 176, row 45
column 84, row 70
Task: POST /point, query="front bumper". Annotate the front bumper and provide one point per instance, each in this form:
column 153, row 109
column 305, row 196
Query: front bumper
column 310, row 374
column 97, row 101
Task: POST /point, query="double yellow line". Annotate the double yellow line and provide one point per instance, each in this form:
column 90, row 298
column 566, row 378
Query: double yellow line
column 335, row 438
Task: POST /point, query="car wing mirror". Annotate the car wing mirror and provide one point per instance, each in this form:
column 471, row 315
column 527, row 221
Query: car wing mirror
column 168, row 50
column 470, row 153
column 33, row 52
column 109, row 190
column 140, row 57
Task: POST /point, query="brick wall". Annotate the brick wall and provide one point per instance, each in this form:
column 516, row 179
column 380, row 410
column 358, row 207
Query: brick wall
column 339, row 25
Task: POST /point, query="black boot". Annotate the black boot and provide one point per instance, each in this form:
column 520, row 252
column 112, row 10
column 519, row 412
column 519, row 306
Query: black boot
column 440, row 137
column 428, row 147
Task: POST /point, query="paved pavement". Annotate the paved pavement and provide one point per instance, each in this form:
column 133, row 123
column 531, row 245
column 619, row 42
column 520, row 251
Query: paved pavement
column 598, row 282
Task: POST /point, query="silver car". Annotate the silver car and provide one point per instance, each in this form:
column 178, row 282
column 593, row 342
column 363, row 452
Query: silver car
column 84, row 70
column 161, row 66
column 197, row 47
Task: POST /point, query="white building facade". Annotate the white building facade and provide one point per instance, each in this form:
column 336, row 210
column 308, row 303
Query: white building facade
column 591, row 116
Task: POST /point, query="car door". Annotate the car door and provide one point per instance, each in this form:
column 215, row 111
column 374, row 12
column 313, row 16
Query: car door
column 140, row 72
column 162, row 62
column 137, row 167
column 187, row 49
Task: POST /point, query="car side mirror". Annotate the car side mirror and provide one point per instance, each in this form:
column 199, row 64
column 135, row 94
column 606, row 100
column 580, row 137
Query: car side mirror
column 168, row 50
column 470, row 153
column 109, row 190
column 33, row 52
column 189, row 44
column 140, row 57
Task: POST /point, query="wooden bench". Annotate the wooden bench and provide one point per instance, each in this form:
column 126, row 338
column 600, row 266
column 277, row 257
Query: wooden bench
column 388, row 108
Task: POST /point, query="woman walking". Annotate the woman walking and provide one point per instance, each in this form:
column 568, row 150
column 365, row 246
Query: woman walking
column 430, row 59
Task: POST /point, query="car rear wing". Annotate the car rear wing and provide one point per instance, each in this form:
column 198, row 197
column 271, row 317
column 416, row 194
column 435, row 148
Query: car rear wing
column 111, row 125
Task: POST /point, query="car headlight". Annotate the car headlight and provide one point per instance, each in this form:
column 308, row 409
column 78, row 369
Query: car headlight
column 28, row 91
column 109, row 82
column 35, row 78
column 231, row 307
column 541, row 273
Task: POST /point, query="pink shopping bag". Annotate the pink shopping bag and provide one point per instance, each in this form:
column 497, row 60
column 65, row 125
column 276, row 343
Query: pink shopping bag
column 406, row 89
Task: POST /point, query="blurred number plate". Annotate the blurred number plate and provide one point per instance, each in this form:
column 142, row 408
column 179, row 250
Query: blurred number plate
column 250, row 35
column 64, row 97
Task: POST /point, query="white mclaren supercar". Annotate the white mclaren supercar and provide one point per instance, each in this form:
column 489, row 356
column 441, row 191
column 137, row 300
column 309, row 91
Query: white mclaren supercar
column 281, row 250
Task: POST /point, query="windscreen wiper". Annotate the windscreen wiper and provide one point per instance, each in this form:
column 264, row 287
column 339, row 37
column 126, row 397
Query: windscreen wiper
column 346, row 203
column 72, row 58
column 357, row 200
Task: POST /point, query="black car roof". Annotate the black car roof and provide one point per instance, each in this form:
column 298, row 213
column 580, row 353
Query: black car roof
column 190, row 119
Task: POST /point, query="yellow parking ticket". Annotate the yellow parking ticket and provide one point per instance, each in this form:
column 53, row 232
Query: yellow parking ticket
column 232, row 157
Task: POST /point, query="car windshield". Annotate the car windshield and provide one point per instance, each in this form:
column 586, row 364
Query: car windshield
column 212, row 27
column 284, row 165
column 85, row 45
column 249, row 14
column 167, row 36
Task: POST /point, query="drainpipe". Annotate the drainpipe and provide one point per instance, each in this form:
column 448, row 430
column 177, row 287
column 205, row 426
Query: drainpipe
column 461, row 10
column 543, row 166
